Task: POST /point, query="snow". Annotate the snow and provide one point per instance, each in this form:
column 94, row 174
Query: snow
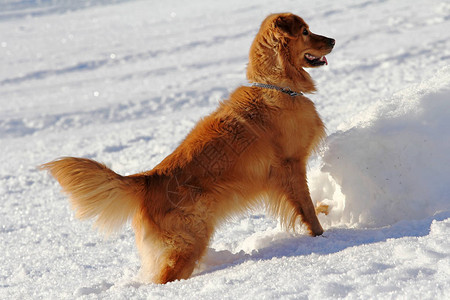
column 122, row 82
column 392, row 162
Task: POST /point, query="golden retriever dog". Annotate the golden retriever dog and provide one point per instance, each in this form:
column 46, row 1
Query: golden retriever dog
column 252, row 150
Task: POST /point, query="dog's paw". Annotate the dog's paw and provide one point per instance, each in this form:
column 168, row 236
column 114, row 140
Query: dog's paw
column 322, row 208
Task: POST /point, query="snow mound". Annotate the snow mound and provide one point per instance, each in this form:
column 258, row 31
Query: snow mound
column 392, row 162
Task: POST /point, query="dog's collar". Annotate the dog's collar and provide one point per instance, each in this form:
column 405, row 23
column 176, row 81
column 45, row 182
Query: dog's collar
column 285, row 90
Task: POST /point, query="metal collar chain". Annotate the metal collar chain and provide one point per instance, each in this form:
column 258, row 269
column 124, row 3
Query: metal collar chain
column 285, row 90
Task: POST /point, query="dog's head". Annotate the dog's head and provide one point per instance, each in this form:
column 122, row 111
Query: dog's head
column 284, row 46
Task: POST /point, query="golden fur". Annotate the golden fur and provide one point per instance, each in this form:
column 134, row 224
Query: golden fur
column 253, row 149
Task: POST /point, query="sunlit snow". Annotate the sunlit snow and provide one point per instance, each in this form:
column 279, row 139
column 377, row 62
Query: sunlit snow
column 123, row 82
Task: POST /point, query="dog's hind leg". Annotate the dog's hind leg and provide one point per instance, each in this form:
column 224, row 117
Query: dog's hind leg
column 180, row 257
column 171, row 251
column 177, row 264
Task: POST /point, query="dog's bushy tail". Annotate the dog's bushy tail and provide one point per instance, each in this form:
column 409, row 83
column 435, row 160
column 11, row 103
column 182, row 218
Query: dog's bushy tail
column 97, row 191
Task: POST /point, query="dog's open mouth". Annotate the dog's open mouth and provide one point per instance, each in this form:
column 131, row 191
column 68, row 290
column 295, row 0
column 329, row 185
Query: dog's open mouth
column 316, row 61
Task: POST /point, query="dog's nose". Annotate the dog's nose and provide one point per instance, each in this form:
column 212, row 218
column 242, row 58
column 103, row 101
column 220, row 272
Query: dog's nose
column 332, row 42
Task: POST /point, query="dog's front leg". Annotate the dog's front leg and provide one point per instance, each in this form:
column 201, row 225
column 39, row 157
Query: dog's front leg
column 290, row 177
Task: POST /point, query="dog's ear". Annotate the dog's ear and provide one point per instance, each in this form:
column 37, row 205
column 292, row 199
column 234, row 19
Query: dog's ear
column 288, row 25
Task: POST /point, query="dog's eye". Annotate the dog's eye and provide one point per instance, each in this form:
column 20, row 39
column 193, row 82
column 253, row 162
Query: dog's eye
column 305, row 31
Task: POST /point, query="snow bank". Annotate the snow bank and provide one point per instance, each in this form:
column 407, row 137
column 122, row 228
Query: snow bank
column 392, row 162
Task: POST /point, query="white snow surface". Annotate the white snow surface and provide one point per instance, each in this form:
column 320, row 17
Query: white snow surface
column 123, row 82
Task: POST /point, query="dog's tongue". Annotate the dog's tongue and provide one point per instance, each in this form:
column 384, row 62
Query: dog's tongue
column 324, row 59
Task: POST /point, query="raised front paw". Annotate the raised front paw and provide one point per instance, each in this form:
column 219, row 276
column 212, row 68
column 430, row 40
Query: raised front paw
column 322, row 208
